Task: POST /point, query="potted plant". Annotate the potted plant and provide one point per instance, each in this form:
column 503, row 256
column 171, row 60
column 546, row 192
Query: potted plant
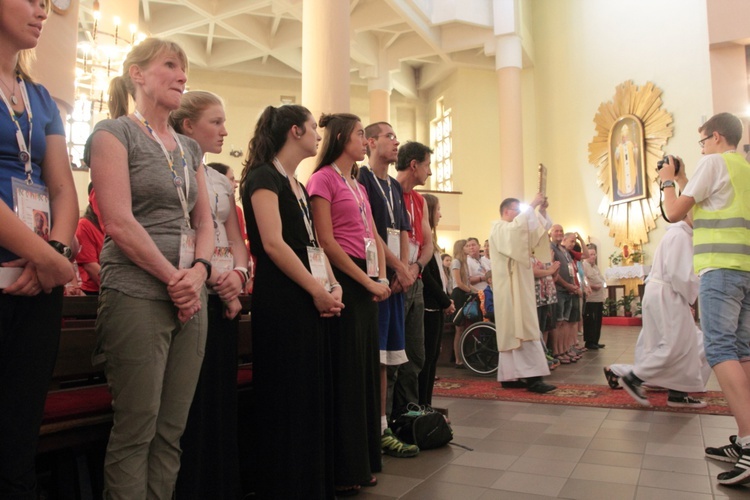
column 609, row 308
column 616, row 258
column 637, row 256
column 627, row 302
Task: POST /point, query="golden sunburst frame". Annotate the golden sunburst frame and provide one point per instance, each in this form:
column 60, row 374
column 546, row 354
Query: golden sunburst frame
column 635, row 112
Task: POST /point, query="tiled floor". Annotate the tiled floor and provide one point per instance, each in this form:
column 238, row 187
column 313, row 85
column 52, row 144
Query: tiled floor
column 534, row 451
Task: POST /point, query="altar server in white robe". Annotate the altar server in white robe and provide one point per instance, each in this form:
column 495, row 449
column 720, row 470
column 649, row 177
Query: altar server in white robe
column 522, row 361
column 669, row 352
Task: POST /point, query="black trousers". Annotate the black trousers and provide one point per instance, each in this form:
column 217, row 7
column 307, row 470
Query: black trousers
column 29, row 340
column 592, row 322
column 433, row 334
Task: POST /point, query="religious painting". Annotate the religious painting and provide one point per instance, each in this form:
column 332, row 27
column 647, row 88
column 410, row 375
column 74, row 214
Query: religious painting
column 631, row 132
column 626, row 160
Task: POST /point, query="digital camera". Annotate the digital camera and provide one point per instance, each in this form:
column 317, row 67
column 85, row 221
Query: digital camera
column 665, row 160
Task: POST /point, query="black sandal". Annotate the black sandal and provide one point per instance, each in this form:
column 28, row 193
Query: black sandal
column 372, row 482
column 612, row 380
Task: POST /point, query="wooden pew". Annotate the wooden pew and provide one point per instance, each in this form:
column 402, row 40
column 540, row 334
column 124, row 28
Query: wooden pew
column 78, row 407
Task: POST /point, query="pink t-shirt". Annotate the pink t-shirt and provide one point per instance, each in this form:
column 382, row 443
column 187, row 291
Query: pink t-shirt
column 348, row 227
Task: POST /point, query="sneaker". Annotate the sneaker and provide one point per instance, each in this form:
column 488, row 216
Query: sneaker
column 729, row 453
column 740, row 473
column 612, row 380
column 394, row 447
column 686, row 402
column 635, row 390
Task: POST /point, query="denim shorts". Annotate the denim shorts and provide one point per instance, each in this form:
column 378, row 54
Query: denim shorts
column 568, row 308
column 725, row 315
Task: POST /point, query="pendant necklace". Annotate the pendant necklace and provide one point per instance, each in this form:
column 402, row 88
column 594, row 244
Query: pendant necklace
column 12, row 91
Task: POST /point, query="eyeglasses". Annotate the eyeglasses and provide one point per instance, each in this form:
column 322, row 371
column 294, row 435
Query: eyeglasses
column 702, row 141
column 390, row 135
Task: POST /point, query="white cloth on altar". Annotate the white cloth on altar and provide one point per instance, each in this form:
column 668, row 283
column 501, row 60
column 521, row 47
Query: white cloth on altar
column 518, row 336
column 669, row 352
column 626, row 272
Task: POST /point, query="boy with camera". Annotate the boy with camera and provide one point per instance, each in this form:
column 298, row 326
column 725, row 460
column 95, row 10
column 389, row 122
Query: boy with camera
column 718, row 195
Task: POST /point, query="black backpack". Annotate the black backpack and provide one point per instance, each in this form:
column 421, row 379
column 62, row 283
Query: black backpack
column 424, row 427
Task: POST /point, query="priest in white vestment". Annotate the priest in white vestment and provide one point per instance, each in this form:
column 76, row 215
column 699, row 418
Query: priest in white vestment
column 669, row 352
column 512, row 240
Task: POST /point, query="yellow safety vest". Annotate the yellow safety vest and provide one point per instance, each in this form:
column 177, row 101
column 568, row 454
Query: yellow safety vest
column 721, row 238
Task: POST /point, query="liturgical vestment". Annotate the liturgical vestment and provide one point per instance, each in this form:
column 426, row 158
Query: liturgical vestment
column 518, row 336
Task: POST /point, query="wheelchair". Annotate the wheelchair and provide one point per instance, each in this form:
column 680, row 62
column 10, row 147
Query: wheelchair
column 478, row 344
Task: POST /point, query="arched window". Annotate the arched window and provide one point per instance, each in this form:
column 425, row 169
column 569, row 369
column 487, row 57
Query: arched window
column 441, row 129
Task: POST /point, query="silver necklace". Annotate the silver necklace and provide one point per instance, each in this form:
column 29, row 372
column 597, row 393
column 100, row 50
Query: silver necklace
column 12, row 91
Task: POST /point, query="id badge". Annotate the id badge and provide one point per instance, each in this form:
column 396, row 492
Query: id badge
column 413, row 250
column 371, row 257
column 187, row 247
column 394, row 242
column 222, row 259
column 31, row 204
column 317, row 260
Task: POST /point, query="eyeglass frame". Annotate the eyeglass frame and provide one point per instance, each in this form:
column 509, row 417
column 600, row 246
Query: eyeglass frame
column 390, row 135
column 702, row 142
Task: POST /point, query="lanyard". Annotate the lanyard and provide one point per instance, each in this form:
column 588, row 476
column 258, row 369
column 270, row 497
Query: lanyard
column 411, row 215
column 24, row 147
column 301, row 202
column 176, row 179
column 478, row 261
column 215, row 209
column 360, row 199
column 388, row 203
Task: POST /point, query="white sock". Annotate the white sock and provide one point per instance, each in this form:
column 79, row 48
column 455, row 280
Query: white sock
column 743, row 441
column 383, row 424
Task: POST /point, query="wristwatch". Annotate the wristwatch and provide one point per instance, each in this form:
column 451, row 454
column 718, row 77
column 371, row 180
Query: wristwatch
column 667, row 184
column 206, row 264
column 62, row 249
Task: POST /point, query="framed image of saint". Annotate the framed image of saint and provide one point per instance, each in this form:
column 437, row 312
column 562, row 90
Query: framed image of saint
column 626, row 159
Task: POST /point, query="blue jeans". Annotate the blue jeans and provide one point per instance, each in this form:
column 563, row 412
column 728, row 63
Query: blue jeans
column 725, row 315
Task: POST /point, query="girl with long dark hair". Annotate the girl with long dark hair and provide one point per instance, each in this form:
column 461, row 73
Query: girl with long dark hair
column 294, row 292
column 348, row 235
column 437, row 303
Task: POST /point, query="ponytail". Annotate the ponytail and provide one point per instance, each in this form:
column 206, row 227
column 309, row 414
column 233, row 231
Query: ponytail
column 270, row 135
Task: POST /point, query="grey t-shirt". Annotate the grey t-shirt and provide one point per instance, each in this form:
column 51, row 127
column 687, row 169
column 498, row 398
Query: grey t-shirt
column 566, row 261
column 155, row 205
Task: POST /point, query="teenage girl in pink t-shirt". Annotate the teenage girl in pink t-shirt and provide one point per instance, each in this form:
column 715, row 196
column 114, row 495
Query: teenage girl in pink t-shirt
column 346, row 232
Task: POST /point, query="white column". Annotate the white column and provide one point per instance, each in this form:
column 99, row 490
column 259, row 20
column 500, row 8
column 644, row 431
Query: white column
column 325, row 61
column 508, row 64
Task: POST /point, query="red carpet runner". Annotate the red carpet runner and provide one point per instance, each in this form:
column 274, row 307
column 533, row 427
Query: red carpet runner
column 575, row 395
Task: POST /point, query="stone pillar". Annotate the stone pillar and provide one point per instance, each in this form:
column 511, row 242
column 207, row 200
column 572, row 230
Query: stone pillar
column 508, row 64
column 380, row 106
column 325, row 61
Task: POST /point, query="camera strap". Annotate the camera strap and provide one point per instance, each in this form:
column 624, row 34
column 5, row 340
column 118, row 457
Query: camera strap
column 661, row 204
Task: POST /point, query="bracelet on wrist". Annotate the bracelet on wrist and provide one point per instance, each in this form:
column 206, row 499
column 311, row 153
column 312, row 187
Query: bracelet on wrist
column 384, row 281
column 206, row 264
column 334, row 285
column 243, row 275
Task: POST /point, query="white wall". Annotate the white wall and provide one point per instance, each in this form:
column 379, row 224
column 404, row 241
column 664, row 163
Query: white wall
column 584, row 49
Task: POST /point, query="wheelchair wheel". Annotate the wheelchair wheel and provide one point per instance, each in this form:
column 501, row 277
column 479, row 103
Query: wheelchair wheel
column 479, row 348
